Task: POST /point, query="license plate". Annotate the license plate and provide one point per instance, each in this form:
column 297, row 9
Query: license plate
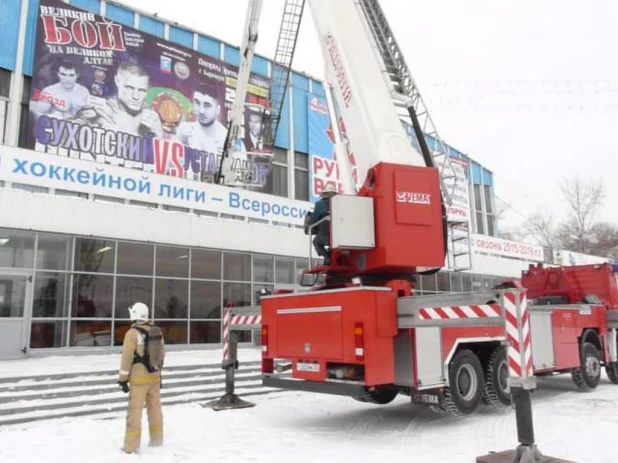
column 421, row 398
column 312, row 367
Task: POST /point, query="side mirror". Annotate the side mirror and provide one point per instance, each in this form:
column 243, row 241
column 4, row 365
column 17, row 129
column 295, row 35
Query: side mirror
column 308, row 279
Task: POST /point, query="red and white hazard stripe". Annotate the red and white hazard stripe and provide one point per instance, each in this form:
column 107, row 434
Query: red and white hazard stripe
column 518, row 335
column 226, row 333
column 460, row 312
column 246, row 319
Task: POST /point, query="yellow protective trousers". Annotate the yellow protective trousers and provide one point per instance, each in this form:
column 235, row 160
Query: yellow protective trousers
column 150, row 394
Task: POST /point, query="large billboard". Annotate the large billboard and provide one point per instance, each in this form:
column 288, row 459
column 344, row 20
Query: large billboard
column 105, row 92
column 323, row 167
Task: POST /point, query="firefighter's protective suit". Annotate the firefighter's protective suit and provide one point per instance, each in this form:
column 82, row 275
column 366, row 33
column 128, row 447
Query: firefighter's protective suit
column 145, row 387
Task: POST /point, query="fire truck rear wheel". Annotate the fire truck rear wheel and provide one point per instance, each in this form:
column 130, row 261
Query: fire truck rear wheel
column 379, row 395
column 588, row 375
column 466, row 384
column 496, row 376
column 612, row 372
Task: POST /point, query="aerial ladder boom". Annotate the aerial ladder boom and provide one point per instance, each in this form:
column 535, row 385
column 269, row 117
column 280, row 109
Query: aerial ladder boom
column 361, row 92
column 232, row 164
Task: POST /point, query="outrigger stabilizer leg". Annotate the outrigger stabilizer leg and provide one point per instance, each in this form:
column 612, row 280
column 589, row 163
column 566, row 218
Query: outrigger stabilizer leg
column 229, row 400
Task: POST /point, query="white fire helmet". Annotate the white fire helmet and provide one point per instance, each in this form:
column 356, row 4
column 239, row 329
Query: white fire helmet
column 329, row 190
column 138, row 311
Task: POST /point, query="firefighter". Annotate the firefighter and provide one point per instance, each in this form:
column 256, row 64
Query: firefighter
column 322, row 210
column 143, row 352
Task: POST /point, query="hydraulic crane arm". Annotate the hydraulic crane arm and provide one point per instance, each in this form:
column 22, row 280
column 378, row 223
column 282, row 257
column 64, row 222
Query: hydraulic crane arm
column 225, row 173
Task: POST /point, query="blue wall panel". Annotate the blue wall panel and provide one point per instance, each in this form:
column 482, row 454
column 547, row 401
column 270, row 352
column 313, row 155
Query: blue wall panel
column 181, row 36
column 209, row 46
column 9, row 32
column 476, row 174
column 152, row 26
column 120, row 15
column 300, row 81
column 283, row 132
column 89, row 5
column 33, row 14
column 318, row 89
column 231, row 55
column 301, row 136
column 488, row 177
column 260, row 66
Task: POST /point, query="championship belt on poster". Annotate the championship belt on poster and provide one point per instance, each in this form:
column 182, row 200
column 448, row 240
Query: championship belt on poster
column 169, row 109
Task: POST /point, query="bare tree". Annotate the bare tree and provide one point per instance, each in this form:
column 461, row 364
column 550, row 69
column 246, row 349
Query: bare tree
column 502, row 209
column 583, row 198
column 541, row 227
column 605, row 240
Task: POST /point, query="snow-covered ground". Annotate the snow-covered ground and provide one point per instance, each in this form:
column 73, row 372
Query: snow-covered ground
column 304, row 427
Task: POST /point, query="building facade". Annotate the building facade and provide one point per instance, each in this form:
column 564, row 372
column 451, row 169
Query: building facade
column 81, row 240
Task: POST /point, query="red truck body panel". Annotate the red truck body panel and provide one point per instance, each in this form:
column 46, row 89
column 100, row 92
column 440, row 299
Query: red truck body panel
column 319, row 327
column 573, row 283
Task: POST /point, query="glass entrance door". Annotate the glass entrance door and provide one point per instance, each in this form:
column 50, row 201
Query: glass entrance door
column 15, row 297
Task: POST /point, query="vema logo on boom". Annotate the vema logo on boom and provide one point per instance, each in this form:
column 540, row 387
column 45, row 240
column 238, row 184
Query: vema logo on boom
column 414, row 198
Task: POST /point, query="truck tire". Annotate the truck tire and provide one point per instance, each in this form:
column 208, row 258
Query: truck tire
column 380, row 395
column 496, row 379
column 588, row 375
column 465, row 391
column 612, row 372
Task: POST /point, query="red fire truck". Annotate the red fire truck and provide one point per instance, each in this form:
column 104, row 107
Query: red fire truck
column 372, row 343
column 362, row 331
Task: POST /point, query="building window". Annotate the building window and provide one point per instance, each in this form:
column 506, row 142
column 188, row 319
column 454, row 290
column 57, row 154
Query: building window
column 53, row 252
column 263, row 269
column 478, row 210
column 277, row 178
column 236, row 266
column 206, row 300
column 284, row 270
column 174, row 332
column 25, row 113
column 5, row 89
column 92, row 295
column 172, row 261
column 429, row 284
column 3, row 109
column 130, row 290
column 91, row 333
column 16, row 249
column 205, row 332
column 301, row 176
column 94, row 255
column 236, row 294
column 171, row 298
column 489, row 209
column 48, row 334
column 135, row 259
column 50, row 298
column 205, row 264
column 5, row 83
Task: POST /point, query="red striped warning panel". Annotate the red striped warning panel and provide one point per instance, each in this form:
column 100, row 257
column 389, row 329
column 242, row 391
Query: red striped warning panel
column 462, row 311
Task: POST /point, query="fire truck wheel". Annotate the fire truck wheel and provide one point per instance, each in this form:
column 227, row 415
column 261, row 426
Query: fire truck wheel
column 379, row 395
column 496, row 376
column 465, row 391
column 612, row 372
column 588, row 375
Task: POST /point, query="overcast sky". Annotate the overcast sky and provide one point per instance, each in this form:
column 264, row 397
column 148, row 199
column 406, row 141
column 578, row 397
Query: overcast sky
column 529, row 88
